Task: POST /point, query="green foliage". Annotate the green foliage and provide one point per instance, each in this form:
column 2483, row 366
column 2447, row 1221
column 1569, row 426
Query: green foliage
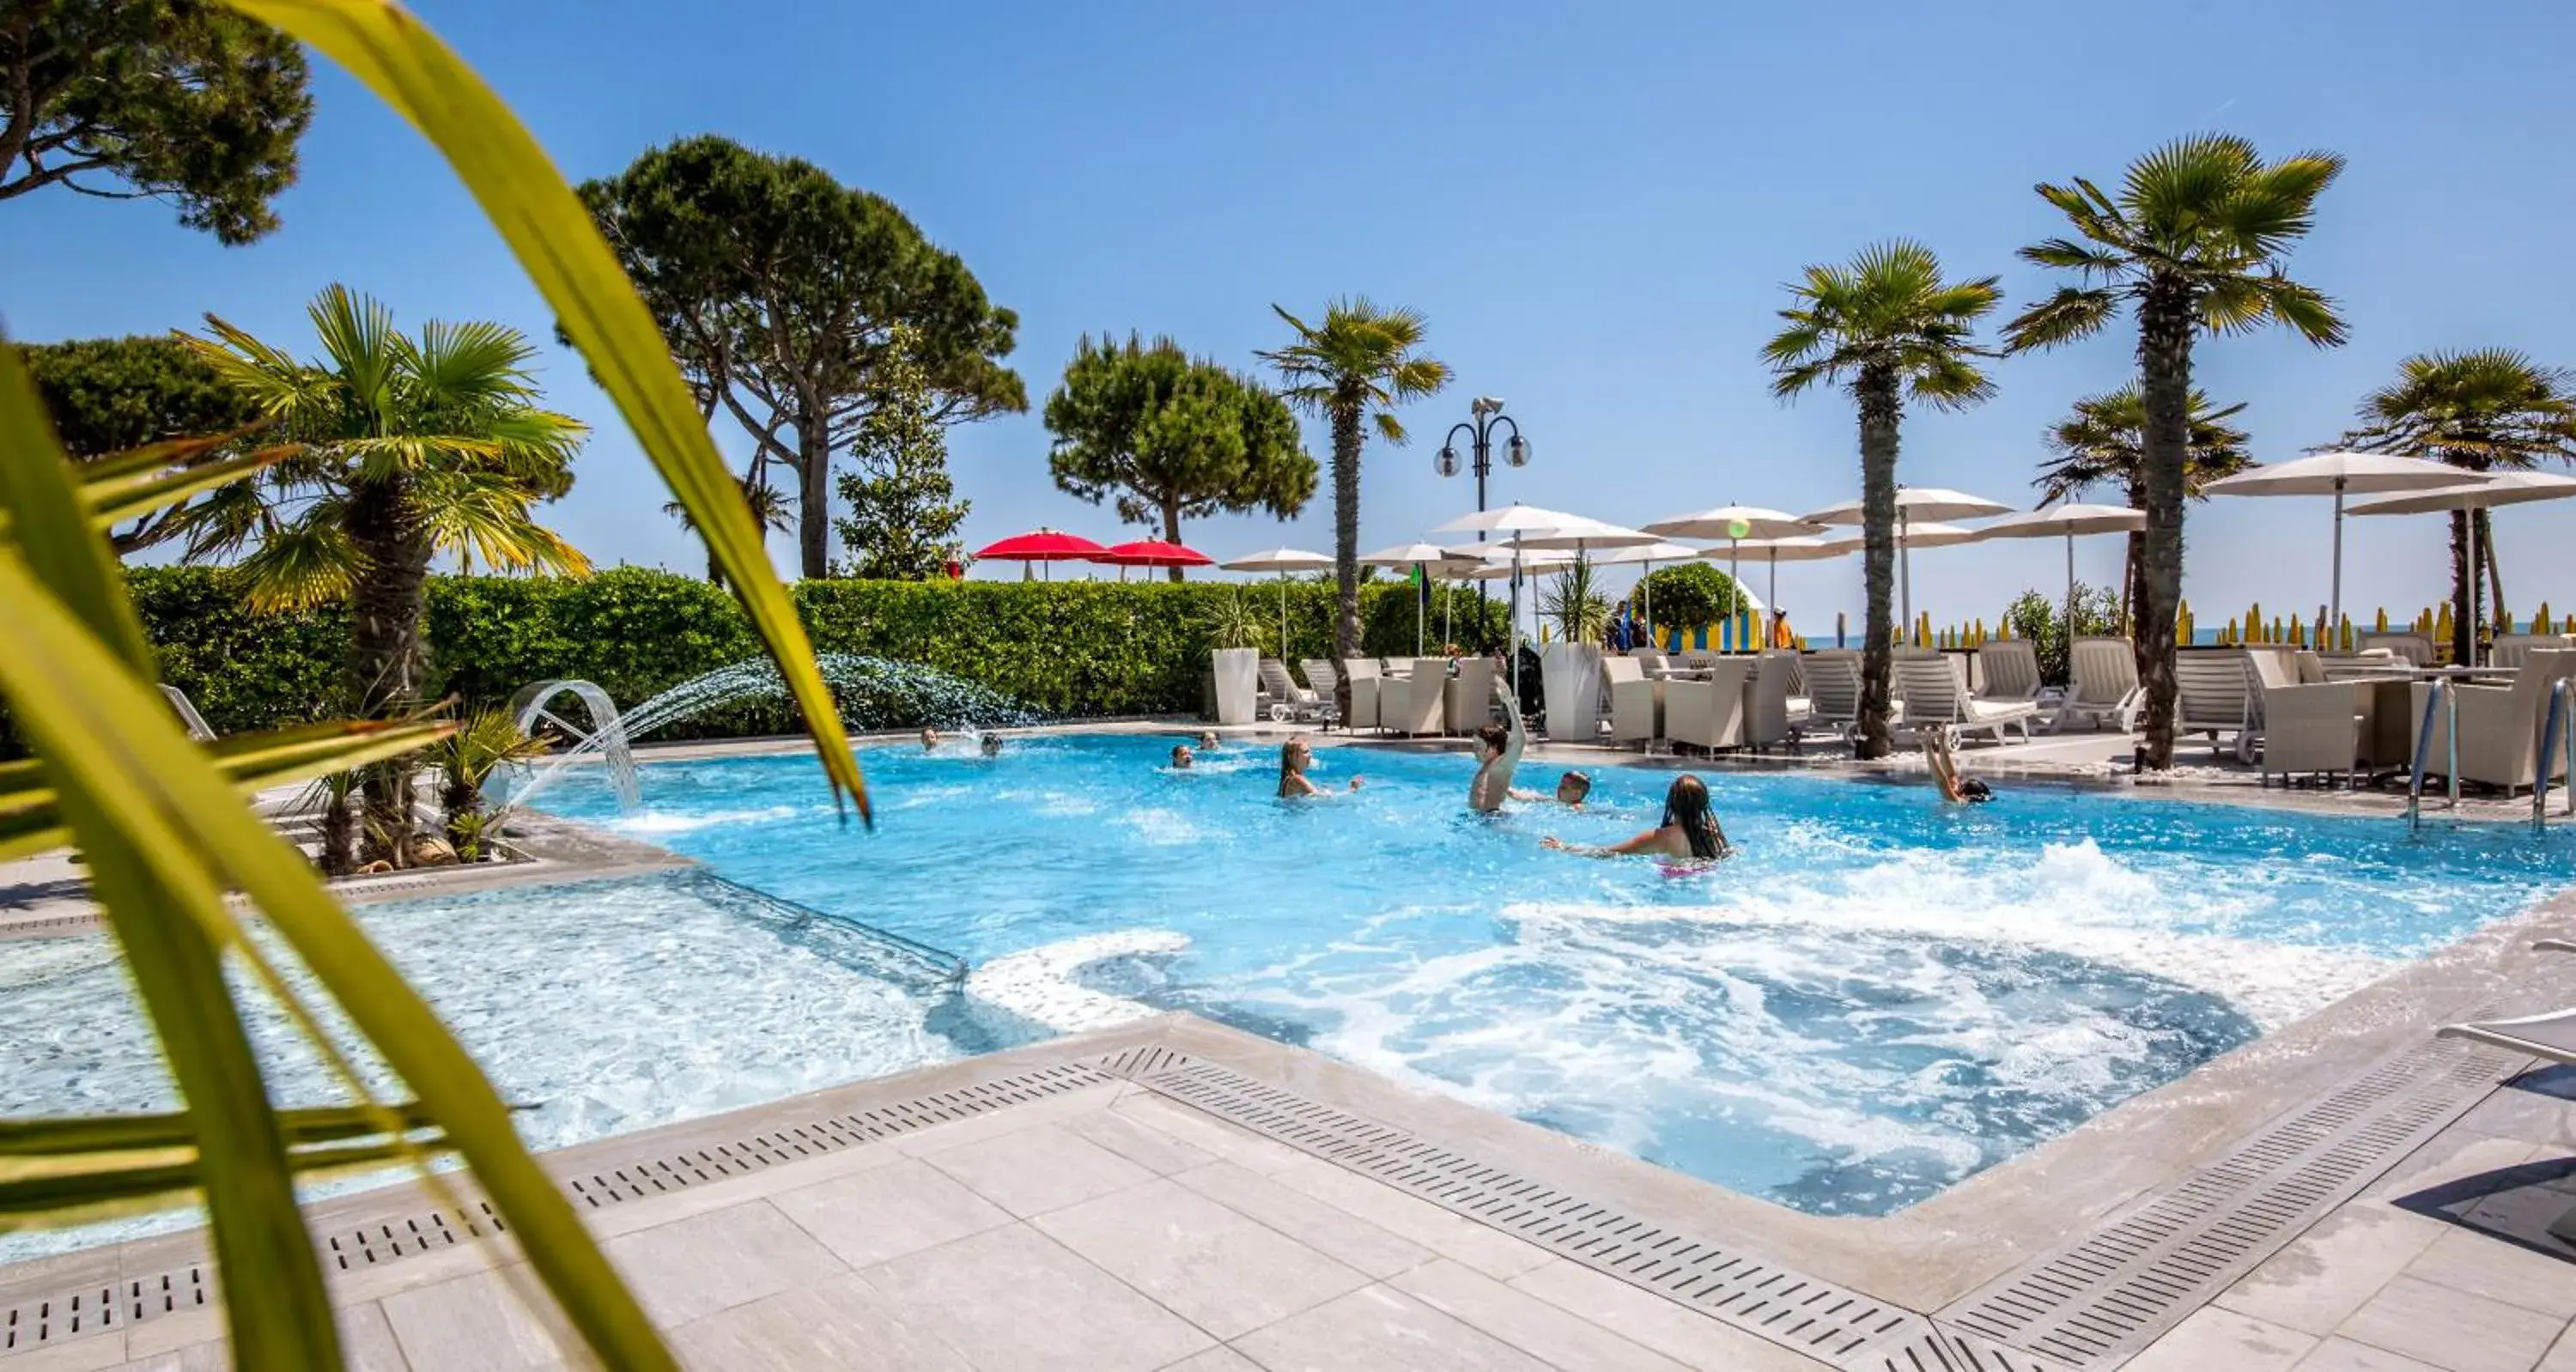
column 2103, row 442
column 1887, row 314
column 1173, row 437
column 904, row 510
column 2041, row 621
column 1688, row 594
column 178, row 100
column 109, row 394
column 1572, row 598
column 1233, row 621
column 773, row 281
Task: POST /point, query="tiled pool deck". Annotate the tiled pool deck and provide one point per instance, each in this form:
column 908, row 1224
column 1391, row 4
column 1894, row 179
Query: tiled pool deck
column 1174, row 1194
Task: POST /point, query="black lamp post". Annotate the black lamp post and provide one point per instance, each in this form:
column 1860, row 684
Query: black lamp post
column 1487, row 415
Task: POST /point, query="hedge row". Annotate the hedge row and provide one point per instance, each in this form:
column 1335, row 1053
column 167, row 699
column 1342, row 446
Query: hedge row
column 1065, row 648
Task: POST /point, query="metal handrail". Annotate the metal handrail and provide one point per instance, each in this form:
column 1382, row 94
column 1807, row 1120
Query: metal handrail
column 2555, row 729
column 2441, row 692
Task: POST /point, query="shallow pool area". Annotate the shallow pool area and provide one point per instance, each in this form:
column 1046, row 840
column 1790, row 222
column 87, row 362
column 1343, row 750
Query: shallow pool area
column 1878, row 997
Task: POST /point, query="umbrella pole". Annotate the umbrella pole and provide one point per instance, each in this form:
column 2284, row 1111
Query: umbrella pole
column 1649, row 583
column 1424, row 584
column 2335, row 614
column 1283, row 615
column 1515, row 635
column 1904, row 576
column 1735, row 584
column 2068, row 632
column 2476, row 584
column 1772, row 593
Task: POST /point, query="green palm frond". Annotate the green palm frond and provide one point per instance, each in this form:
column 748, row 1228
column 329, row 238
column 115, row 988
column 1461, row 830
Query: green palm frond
column 2103, row 442
column 484, row 521
column 474, row 363
column 2482, row 409
column 303, row 562
column 360, row 346
column 2072, row 313
column 1889, row 308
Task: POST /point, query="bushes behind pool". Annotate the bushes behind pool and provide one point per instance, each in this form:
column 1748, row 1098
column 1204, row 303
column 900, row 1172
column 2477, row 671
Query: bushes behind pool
column 1063, row 648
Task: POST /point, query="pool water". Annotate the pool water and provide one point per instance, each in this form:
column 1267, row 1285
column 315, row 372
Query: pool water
column 1879, row 996
column 603, row 1006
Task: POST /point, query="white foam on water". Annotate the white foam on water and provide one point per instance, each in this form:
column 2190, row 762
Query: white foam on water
column 1038, row 983
column 671, row 822
column 1163, row 828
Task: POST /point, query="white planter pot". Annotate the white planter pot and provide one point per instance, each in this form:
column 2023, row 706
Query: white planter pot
column 1571, row 676
column 1238, row 683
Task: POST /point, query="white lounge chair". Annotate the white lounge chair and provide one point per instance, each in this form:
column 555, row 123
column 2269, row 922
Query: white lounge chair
column 1364, row 675
column 1636, row 703
column 2102, row 684
column 2007, row 671
column 2215, row 695
column 2416, row 648
column 1289, row 702
column 1934, row 695
column 188, row 717
column 2511, row 651
column 2499, row 724
column 1833, row 690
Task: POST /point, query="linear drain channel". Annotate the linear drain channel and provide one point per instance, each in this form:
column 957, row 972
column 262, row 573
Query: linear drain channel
column 55, row 1317
column 1817, row 1318
column 2102, row 1300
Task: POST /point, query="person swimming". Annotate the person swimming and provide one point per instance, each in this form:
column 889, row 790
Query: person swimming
column 1498, row 752
column 1182, row 757
column 1571, row 790
column 1689, row 830
column 990, row 744
column 929, row 738
column 1207, row 740
column 1295, row 756
column 1945, row 772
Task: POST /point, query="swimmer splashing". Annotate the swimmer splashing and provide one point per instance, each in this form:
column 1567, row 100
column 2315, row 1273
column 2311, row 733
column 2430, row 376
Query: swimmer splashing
column 1689, row 830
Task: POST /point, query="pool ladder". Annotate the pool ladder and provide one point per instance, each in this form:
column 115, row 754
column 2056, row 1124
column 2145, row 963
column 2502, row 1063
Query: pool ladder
column 2557, row 734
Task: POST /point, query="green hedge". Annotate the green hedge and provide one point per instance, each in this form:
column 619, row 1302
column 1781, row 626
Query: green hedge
column 1064, row 648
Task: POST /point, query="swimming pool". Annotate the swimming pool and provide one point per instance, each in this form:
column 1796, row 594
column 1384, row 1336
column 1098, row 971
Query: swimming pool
column 1878, row 997
column 602, row 1006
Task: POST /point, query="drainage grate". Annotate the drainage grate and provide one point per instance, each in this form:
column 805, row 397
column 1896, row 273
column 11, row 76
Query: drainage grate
column 2102, row 1300
column 1135, row 1063
column 60, row 1316
column 1949, row 1350
column 1817, row 1318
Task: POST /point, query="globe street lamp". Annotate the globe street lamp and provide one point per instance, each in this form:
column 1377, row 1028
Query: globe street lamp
column 1487, row 412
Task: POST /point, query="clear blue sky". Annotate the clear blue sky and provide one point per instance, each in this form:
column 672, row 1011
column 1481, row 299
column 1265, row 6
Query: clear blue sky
column 1594, row 206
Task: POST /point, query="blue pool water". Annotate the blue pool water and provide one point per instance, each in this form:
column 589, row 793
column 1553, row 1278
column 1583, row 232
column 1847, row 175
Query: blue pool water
column 1878, row 997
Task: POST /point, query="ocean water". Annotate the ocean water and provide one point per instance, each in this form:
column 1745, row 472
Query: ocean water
column 1879, row 996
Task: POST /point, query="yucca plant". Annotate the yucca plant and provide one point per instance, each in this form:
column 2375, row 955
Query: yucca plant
column 166, row 834
column 1234, row 622
column 1573, row 599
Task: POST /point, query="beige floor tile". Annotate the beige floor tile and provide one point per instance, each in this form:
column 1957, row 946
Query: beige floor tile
column 1010, row 1119
column 77, row 1355
column 706, row 1263
column 366, row 1345
column 2467, row 1260
column 2343, row 1355
column 1219, row 1270
column 1683, row 1335
column 2215, row 1338
column 886, row 1212
column 840, row 1323
column 2562, row 1355
column 2534, row 1117
column 2453, row 1330
column 1139, row 1143
column 1204, row 1131
column 474, row 1323
column 2329, row 1272
column 1014, row 1299
column 1551, row 1333
column 356, row 1285
column 628, row 1216
column 1038, row 1169
column 1378, row 1329
column 1215, row 1360
column 1490, row 1251
column 2453, row 1154
column 1334, row 1232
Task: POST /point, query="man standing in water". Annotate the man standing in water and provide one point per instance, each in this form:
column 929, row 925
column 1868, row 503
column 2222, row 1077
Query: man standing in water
column 1498, row 752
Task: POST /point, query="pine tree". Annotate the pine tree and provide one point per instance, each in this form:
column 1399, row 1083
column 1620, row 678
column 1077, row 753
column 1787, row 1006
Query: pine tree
column 904, row 510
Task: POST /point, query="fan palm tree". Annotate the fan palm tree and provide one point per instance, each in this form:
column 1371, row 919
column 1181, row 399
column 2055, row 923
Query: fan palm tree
column 1355, row 367
column 2103, row 442
column 771, row 508
column 1889, row 329
column 413, row 448
column 2489, row 409
column 2195, row 241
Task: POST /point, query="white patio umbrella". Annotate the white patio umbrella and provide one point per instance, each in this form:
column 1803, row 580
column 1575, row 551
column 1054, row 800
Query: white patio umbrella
column 2339, row 474
column 1776, row 551
column 1283, row 561
column 1524, row 520
column 2068, row 520
column 1916, row 507
column 1648, row 554
column 1735, row 524
column 1429, row 556
column 2499, row 488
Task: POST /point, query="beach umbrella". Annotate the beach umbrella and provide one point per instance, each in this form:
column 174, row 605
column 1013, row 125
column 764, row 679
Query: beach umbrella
column 1523, row 521
column 2340, row 474
column 2067, row 520
column 1776, row 551
column 1735, row 524
column 1042, row 545
column 1423, row 555
column 1148, row 552
column 1648, row 554
column 2499, row 488
column 1916, row 506
column 1283, row 561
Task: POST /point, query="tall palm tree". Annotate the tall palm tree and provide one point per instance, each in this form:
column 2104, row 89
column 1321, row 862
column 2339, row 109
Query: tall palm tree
column 771, row 508
column 1355, row 367
column 2489, row 409
column 1889, row 329
column 2195, row 240
column 2102, row 441
column 414, row 448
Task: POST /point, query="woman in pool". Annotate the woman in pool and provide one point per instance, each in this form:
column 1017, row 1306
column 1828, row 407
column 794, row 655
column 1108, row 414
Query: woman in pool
column 1295, row 756
column 1689, row 830
column 1182, row 757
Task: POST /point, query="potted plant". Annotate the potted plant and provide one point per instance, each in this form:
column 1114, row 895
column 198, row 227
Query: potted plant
column 1234, row 635
column 1570, row 667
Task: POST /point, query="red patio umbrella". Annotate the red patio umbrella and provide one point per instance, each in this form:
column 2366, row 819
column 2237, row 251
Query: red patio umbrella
column 1043, row 545
column 1148, row 552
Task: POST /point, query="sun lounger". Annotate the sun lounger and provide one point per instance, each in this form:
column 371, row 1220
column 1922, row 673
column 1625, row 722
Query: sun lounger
column 2499, row 724
column 1636, row 703
column 2551, row 1036
column 2214, row 696
column 1934, row 695
column 1833, row 690
column 2415, row 648
column 188, row 716
column 2102, row 685
column 1289, row 702
column 2512, row 651
column 2007, row 671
